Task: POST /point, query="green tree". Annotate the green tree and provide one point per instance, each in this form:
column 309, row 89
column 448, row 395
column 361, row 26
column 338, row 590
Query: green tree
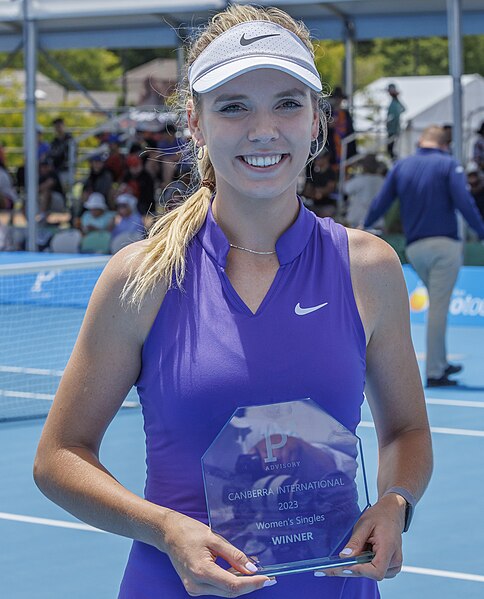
column 418, row 56
column 329, row 57
column 474, row 54
column 12, row 108
column 95, row 69
column 395, row 58
column 367, row 69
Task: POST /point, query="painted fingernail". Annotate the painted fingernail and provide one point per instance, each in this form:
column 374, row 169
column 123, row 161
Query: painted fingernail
column 318, row 573
column 251, row 567
column 347, row 572
column 347, row 551
column 270, row 583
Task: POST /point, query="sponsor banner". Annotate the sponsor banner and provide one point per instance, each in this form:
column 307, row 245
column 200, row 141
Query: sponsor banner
column 467, row 301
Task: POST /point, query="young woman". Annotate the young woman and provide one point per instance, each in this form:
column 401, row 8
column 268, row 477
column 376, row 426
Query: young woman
column 208, row 315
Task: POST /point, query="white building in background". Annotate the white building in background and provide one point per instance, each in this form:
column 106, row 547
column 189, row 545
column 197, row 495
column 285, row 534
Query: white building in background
column 46, row 89
column 428, row 100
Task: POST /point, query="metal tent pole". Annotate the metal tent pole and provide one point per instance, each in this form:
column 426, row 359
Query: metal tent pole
column 180, row 62
column 349, row 36
column 30, row 125
column 455, row 64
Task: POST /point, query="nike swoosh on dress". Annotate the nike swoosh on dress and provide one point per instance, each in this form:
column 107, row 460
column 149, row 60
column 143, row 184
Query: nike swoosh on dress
column 302, row 311
column 247, row 41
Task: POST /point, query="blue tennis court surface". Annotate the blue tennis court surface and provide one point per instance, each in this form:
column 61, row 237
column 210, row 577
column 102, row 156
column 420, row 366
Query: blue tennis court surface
column 47, row 554
column 46, row 560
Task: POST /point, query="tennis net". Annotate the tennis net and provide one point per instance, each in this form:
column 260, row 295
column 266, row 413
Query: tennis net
column 42, row 305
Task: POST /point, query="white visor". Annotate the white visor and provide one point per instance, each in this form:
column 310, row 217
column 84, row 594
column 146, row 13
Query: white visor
column 249, row 46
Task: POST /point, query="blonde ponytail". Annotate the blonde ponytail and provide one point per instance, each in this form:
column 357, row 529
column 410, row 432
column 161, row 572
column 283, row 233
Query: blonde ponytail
column 167, row 242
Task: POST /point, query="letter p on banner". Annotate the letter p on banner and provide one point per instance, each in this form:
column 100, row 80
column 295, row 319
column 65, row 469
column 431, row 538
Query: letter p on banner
column 270, row 446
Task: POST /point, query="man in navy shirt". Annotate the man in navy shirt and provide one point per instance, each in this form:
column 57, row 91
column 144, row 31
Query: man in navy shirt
column 431, row 186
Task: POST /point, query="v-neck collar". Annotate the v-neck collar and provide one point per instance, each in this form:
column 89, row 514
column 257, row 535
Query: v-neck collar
column 288, row 247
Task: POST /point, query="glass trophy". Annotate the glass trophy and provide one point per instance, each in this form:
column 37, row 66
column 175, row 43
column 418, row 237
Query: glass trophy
column 285, row 483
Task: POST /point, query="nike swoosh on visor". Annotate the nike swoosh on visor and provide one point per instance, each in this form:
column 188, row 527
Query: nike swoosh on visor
column 247, row 41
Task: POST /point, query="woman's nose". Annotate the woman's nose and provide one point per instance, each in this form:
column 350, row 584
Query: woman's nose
column 263, row 130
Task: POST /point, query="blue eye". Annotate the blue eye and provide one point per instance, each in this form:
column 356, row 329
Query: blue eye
column 290, row 104
column 231, row 108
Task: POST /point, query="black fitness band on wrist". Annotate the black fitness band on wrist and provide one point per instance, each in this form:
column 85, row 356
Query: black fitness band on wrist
column 411, row 503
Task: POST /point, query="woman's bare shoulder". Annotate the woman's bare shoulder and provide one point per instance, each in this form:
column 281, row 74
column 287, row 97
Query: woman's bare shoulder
column 368, row 250
column 377, row 277
column 109, row 291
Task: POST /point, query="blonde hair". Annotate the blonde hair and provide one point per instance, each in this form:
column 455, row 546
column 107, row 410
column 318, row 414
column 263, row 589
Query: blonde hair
column 164, row 253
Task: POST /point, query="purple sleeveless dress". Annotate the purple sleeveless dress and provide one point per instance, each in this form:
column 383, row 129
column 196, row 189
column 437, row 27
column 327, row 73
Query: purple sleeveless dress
column 207, row 354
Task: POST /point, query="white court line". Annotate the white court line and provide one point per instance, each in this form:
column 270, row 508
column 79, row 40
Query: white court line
column 49, row 522
column 454, row 402
column 437, row 429
column 24, row 370
column 423, row 356
column 81, row 526
column 456, row 431
column 443, row 573
column 49, row 397
column 26, row 395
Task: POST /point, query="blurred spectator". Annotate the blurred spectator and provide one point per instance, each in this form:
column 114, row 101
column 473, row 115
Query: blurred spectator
column 340, row 125
column 395, row 109
column 478, row 150
column 475, row 179
column 43, row 148
column 103, row 139
column 361, row 190
column 8, row 195
column 168, row 141
column 321, row 184
column 150, row 96
column 179, row 187
column 51, row 194
column 115, row 161
column 59, row 151
column 127, row 219
column 431, row 186
column 447, row 145
column 6, row 241
column 153, row 165
column 171, row 149
column 139, row 182
column 99, row 180
column 97, row 216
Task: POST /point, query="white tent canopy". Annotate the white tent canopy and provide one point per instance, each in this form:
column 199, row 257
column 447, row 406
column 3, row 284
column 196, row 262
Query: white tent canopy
column 150, row 23
column 428, row 100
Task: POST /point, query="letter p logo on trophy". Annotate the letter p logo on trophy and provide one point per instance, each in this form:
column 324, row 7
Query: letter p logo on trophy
column 286, row 483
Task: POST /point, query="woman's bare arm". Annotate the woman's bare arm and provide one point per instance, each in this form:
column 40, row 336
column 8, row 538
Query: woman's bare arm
column 396, row 398
column 394, row 388
column 103, row 366
column 105, row 363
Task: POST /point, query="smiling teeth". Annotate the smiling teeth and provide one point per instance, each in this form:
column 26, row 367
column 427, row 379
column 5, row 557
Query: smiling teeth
column 262, row 160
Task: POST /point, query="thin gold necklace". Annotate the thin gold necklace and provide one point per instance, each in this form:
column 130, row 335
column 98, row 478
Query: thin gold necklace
column 238, row 247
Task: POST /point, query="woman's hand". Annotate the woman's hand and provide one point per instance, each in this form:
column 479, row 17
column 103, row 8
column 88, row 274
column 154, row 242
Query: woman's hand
column 379, row 529
column 192, row 548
